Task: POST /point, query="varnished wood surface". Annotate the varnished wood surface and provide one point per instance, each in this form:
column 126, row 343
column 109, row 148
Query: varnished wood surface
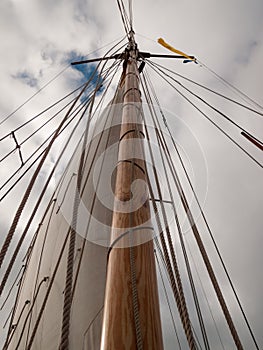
column 131, row 210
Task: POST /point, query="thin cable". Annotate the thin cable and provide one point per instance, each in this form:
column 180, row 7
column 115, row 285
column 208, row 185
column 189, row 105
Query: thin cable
column 41, row 113
column 36, row 93
column 27, row 193
column 30, row 166
column 205, row 220
column 19, row 244
column 13, row 326
column 28, row 137
column 206, row 88
column 44, row 279
column 65, row 331
column 153, row 115
column 206, row 116
column 212, row 107
column 50, row 81
column 204, row 254
column 64, row 343
column 126, row 17
column 80, row 107
column 204, row 293
column 167, row 298
column 246, row 97
column 36, row 289
column 9, row 315
column 85, row 183
column 43, row 305
column 126, row 29
column 11, row 288
column 131, row 14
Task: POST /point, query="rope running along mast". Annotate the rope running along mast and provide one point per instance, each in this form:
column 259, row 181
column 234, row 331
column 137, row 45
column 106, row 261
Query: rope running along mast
column 131, row 310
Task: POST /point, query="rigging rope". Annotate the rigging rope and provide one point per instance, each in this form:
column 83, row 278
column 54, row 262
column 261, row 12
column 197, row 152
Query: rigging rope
column 36, row 289
column 68, row 292
column 124, row 19
column 212, row 107
column 155, row 122
column 28, row 137
column 203, row 252
column 131, row 14
column 204, row 293
column 208, row 118
column 81, row 105
column 181, row 308
column 167, row 298
column 64, row 344
column 13, row 326
column 31, row 165
column 205, row 257
column 157, row 65
column 42, row 112
column 203, row 216
column 74, row 113
column 207, row 261
column 11, row 288
column 23, row 202
column 52, row 200
column 239, row 92
column 168, row 235
column 54, row 78
column 36, row 93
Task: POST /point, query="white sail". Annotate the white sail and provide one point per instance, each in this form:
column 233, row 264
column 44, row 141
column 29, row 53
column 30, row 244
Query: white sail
column 90, row 261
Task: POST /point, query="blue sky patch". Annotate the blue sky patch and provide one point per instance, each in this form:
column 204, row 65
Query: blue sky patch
column 26, row 78
column 87, row 71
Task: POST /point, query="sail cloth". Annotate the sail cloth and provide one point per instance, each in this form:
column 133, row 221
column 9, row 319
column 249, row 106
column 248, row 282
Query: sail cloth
column 90, row 260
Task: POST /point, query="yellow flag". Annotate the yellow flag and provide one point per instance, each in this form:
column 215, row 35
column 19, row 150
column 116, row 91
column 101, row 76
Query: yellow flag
column 169, row 47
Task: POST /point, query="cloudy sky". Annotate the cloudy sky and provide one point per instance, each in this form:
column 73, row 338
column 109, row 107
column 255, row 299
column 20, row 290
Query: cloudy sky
column 38, row 38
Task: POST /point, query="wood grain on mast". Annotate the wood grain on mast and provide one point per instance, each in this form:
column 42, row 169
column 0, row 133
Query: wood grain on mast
column 131, row 309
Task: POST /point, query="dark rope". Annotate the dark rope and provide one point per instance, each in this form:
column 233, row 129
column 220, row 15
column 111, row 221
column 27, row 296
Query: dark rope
column 31, row 156
column 167, row 299
column 160, row 144
column 42, row 112
column 184, row 312
column 11, row 288
column 206, row 88
column 9, row 268
column 206, row 116
column 18, row 147
column 206, row 222
column 64, row 342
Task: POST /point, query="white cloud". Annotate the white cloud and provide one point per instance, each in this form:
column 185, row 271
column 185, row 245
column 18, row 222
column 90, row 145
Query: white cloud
column 36, row 36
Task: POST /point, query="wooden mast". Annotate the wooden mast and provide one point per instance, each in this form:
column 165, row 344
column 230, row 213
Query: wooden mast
column 131, row 309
